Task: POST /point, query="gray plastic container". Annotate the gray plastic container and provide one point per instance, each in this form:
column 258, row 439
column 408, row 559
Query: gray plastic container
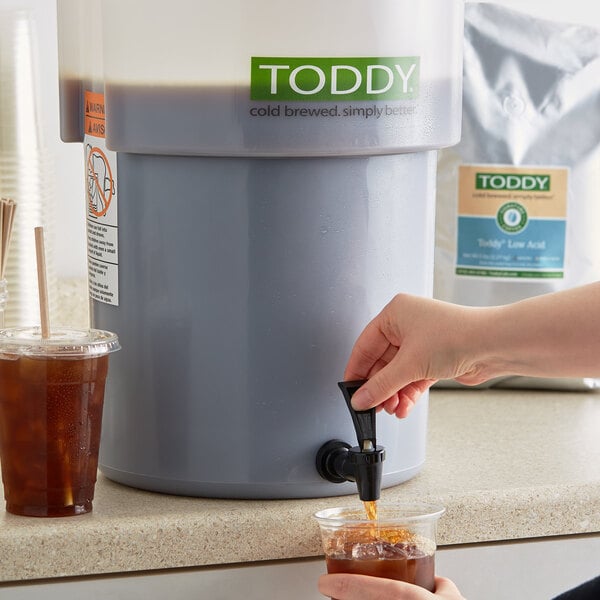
column 254, row 237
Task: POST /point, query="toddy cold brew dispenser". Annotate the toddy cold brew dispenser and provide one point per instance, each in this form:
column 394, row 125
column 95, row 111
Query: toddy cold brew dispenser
column 260, row 183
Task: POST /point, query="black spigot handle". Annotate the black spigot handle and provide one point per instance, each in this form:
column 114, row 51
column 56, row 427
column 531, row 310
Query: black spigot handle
column 338, row 462
column 364, row 420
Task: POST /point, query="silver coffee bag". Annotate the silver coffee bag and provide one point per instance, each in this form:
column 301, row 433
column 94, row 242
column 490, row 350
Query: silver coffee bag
column 518, row 201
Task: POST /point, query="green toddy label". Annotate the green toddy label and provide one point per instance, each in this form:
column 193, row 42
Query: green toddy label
column 334, row 79
column 512, row 182
column 512, row 221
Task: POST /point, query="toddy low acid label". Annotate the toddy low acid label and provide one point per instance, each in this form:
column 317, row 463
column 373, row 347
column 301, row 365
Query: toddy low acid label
column 350, row 79
column 511, row 221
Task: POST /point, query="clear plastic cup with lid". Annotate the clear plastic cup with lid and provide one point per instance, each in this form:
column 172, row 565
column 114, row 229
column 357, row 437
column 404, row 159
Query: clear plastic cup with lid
column 51, row 400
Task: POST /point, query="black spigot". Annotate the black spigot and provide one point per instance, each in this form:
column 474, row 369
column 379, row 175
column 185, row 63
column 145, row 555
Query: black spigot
column 337, row 461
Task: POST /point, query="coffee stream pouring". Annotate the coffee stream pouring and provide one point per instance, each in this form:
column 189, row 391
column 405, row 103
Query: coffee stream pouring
column 338, row 462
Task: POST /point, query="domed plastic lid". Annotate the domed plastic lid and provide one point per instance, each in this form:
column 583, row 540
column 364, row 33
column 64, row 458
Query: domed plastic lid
column 63, row 342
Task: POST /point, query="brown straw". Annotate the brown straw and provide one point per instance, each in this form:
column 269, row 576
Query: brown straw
column 42, row 283
column 7, row 215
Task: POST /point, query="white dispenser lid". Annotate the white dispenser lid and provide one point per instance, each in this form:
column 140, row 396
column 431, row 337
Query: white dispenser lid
column 186, row 42
column 262, row 78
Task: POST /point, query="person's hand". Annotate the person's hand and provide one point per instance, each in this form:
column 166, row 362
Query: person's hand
column 408, row 346
column 413, row 342
column 342, row 586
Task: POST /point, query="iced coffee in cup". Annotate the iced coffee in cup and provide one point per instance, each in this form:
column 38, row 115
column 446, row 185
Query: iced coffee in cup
column 399, row 544
column 51, row 398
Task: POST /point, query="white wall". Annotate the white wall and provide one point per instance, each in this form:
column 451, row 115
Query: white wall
column 69, row 245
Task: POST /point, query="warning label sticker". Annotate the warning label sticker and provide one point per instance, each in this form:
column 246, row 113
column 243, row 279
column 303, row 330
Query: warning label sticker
column 93, row 116
column 101, row 191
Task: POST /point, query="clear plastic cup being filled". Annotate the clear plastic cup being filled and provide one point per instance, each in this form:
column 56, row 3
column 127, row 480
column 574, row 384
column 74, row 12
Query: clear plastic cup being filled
column 399, row 544
column 51, row 399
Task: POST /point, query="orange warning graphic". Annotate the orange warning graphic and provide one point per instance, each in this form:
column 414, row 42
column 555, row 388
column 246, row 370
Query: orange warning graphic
column 100, row 182
column 94, row 119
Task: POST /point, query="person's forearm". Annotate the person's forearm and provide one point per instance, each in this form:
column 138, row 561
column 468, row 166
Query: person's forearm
column 555, row 335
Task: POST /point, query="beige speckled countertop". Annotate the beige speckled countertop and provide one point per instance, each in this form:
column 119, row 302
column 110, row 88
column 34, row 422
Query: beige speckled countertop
column 506, row 464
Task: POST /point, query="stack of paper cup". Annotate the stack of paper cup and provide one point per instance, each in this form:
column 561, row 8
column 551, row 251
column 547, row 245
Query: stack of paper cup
column 26, row 173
